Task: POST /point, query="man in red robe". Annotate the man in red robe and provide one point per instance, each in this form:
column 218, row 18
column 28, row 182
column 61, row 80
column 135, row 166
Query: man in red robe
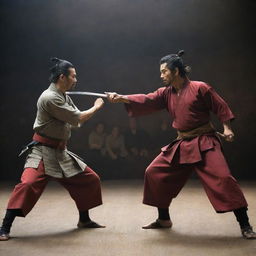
column 197, row 147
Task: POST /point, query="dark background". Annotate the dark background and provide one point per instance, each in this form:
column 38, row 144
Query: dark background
column 116, row 46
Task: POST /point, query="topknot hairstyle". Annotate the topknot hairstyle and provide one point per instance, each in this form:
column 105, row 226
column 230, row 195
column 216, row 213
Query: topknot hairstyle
column 60, row 67
column 175, row 61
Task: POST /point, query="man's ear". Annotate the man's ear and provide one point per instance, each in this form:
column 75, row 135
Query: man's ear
column 61, row 77
column 176, row 72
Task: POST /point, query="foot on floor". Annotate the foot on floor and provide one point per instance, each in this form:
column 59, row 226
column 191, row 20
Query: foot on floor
column 4, row 236
column 248, row 233
column 159, row 224
column 89, row 224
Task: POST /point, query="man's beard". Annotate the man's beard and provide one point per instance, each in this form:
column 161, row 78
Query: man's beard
column 166, row 83
column 72, row 87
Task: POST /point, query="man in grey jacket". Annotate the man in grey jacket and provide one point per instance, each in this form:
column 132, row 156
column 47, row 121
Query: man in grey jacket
column 49, row 158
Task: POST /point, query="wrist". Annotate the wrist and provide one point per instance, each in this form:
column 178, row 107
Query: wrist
column 125, row 99
column 96, row 108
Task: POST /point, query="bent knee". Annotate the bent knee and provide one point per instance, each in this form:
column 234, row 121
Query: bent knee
column 94, row 177
column 150, row 171
column 227, row 179
column 26, row 184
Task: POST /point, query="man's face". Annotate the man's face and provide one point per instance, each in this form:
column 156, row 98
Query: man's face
column 70, row 80
column 167, row 75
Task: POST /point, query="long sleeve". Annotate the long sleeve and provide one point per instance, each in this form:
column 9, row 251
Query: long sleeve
column 143, row 104
column 216, row 104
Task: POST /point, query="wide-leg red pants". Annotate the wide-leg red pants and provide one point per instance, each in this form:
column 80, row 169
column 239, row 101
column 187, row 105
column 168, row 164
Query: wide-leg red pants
column 84, row 188
column 163, row 181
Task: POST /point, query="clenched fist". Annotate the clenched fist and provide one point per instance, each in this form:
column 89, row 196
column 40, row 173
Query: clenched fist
column 113, row 97
column 99, row 102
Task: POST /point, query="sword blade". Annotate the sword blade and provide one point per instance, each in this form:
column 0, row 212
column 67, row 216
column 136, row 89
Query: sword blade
column 88, row 93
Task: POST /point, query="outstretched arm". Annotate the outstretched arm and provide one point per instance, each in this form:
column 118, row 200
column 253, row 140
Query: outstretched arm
column 140, row 104
column 113, row 97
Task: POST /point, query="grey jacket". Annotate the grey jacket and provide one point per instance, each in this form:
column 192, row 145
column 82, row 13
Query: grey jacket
column 56, row 114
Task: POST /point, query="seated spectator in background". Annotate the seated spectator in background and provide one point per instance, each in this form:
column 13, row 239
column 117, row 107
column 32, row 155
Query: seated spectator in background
column 96, row 140
column 115, row 147
column 137, row 140
column 96, row 143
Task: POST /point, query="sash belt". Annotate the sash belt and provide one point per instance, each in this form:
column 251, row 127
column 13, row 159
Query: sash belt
column 49, row 142
column 203, row 129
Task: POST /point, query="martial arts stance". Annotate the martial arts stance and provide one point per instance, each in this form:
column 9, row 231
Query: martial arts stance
column 197, row 147
column 49, row 158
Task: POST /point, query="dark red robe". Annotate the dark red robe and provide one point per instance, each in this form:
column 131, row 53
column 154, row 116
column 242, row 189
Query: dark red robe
column 168, row 172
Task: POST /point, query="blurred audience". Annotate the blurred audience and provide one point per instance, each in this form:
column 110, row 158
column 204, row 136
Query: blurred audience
column 115, row 146
column 164, row 134
column 94, row 156
column 120, row 156
column 137, row 140
column 96, row 140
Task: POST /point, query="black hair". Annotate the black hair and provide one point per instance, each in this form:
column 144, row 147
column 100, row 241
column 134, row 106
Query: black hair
column 59, row 67
column 175, row 61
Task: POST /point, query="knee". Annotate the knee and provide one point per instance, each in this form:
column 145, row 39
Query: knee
column 227, row 179
column 25, row 185
column 91, row 173
column 95, row 178
column 149, row 172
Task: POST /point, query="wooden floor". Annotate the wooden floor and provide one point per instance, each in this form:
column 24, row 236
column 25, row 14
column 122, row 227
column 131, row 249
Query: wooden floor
column 50, row 229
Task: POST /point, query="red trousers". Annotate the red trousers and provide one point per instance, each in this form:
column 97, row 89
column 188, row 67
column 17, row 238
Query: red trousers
column 84, row 188
column 164, row 180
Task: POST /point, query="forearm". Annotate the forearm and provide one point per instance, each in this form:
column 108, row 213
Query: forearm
column 87, row 114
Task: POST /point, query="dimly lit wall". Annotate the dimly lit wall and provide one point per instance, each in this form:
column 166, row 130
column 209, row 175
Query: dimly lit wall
column 116, row 46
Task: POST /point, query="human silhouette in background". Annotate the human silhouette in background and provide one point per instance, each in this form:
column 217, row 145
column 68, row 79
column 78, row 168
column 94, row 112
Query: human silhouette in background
column 115, row 145
column 137, row 140
column 96, row 139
